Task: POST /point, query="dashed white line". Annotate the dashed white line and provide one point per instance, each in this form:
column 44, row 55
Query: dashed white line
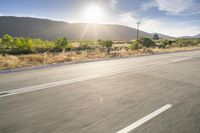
column 145, row 119
column 75, row 80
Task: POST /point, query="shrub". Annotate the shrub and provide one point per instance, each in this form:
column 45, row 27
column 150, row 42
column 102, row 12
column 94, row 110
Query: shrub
column 186, row 42
column 165, row 44
column 136, row 45
column 156, row 37
column 85, row 45
column 161, row 45
column 18, row 43
column 7, row 39
column 106, row 44
column 89, row 45
column 62, row 44
column 25, row 45
column 147, row 42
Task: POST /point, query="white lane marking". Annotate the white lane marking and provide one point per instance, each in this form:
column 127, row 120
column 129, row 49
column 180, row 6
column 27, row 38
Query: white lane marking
column 75, row 80
column 145, row 119
column 182, row 59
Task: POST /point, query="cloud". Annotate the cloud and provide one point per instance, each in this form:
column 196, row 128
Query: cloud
column 148, row 5
column 174, row 7
column 128, row 19
column 159, row 25
column 113, row 3
column 169, row 28
column 108, row 3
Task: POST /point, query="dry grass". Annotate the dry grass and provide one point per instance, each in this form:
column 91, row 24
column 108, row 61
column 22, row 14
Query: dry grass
column 10, row 61
column 156, row 51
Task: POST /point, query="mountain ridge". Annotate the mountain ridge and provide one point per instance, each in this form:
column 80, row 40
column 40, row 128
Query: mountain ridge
column 194, row 36
column 51, row 29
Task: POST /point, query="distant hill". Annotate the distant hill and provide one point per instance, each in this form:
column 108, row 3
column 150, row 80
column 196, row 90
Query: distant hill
column 162, row 36
column 48, row 29
column 195, row 36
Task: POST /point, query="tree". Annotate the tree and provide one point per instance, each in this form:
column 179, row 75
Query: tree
column 156, row 37
column 107, row 44
column 136, row 45
column 7, row 39
column 147, row 42
column 18, row 43
column 166, row 43
column 84, row 45
column 29, row 45
column 99, row 41
column 62, row 44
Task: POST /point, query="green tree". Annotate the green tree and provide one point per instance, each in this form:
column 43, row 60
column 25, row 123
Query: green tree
column 99, row 41
column 7, row 39
column 62, row 44
column 29, row 45
column 18, row 44
column 156, row 37
column 136, row 45
column 147, row 42
column 166, row 43
column 107, row 44
column 84, row 45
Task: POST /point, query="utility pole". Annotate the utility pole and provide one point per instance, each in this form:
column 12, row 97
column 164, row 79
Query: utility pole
column 138, row 27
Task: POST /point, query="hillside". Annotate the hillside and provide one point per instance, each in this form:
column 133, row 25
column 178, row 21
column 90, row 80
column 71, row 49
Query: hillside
column 195, row 36
column 48, row 29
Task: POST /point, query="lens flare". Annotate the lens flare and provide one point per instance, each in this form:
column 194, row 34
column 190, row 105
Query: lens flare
column 94, row 14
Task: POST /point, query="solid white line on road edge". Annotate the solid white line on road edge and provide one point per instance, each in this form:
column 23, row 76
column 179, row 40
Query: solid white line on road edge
column 145, row 119
column 75, row 80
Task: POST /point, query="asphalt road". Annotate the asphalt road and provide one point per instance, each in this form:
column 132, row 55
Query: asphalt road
column 147, row 94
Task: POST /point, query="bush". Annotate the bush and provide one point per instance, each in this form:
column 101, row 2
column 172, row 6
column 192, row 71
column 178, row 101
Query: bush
column 156, row 37
column 165, row 44
column 10, row 45
column 42, row 46
column 7, row 39
column 85, row 45
column 147, row 42
column 186, row 42
column 136, row 45
column 106, row 44
column 62, row 44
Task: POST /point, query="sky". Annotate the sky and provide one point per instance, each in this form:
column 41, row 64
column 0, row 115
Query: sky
column 170, row 17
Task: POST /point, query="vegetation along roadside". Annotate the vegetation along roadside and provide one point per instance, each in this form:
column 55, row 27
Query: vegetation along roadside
column 16, row 52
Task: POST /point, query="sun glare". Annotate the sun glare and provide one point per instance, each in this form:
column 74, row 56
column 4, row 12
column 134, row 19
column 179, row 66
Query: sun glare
column 94, row 14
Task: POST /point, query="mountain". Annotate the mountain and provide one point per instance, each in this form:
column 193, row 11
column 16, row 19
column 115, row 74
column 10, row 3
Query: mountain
column 162, row 36
column 195, row 36
column 48, row 29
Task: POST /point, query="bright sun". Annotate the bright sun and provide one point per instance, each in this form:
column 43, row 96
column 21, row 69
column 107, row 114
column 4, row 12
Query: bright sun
column 94, row 14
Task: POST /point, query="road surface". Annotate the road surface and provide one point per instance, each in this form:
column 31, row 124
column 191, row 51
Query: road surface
column 146, row 94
